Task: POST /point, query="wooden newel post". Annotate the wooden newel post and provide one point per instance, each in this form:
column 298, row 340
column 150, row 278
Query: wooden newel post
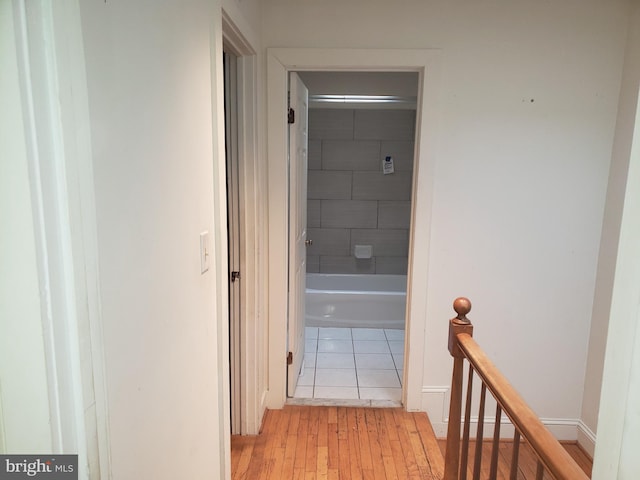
column 457, row 325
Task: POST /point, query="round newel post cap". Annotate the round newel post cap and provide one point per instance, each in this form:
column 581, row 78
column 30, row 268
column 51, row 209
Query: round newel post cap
column 462, row 306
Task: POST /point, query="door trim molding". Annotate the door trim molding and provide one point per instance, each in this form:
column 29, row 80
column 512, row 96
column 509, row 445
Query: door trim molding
column 55, row 102
column 427, row 63
column 252, row 313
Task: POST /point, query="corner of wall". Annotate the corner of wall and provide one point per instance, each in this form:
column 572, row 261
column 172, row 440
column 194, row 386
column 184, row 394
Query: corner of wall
column 586, row 438
column 606, row 269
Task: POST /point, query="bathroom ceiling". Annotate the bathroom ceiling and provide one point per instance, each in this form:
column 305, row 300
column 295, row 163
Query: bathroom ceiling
column 361, row 89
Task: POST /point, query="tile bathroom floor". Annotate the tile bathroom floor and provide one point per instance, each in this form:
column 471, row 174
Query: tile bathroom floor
column 352, row 364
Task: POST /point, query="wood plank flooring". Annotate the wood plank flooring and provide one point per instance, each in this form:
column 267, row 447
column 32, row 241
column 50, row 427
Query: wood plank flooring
column 317, row 443
column 527, row 462
column 302, row 442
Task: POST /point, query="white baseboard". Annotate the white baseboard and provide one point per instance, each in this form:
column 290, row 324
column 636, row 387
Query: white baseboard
column 562, row 428
column 435, row 401
column 565, row 429
column 586, row 438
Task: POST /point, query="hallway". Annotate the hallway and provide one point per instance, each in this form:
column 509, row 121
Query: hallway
column 335, row 442
column 301, row 442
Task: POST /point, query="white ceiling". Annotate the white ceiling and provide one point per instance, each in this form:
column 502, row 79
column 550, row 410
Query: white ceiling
column 400, row 84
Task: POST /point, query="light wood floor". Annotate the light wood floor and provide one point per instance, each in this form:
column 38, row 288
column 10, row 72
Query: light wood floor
column 526, row 464
column 314, row 443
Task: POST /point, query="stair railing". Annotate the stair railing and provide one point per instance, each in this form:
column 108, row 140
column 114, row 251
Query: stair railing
column 552, row 459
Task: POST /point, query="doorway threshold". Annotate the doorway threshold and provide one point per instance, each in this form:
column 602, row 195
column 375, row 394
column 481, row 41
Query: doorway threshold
column 333, row 402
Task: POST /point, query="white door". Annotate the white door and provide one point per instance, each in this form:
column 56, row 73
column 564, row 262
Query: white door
column 233, row 235
column 298, row 102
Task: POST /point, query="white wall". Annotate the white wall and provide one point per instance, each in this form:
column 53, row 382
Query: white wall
column 527, row 115
column 618, row 416
column 611, row 230
column 24, row 405
column 154, row 87
column 246, row 14
column 619, row 419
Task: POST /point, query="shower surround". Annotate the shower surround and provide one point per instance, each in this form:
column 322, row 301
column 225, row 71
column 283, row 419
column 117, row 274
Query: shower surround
column 350, row 201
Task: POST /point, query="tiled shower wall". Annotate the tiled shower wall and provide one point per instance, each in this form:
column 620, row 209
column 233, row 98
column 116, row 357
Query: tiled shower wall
column 350, row 201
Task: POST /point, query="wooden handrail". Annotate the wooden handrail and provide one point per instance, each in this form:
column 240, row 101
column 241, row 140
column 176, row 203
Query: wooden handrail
column 549, row 451
column 554, row 457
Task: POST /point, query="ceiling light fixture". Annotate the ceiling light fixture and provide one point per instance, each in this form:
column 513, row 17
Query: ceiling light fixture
column 362, row 99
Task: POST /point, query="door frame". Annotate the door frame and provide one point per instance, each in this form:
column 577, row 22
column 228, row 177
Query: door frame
column 252, row 346
column 298, row 165
column 280, row 61
column 54, row 97
column 234, row 239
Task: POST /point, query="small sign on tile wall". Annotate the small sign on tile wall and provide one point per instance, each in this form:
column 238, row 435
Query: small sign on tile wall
column 387, row 165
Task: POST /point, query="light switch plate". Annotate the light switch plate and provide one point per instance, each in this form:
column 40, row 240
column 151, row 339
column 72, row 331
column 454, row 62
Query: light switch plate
column 205, row 251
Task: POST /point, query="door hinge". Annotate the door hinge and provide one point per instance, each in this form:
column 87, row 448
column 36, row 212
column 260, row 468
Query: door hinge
column 291, row 117
column 235, row 276
column 290, row 358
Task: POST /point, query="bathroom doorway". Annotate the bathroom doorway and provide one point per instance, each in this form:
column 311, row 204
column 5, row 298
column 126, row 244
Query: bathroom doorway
column 360, row 175
column 427, row 63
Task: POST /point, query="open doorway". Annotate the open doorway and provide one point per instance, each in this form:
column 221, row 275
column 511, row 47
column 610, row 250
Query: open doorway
column 427, row 64
column 361, row 145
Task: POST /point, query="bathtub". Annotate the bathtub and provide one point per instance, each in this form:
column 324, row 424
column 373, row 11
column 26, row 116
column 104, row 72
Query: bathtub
column 368, row 301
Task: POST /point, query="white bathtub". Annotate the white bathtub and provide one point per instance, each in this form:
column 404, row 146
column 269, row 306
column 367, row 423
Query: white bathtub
column 368, row 301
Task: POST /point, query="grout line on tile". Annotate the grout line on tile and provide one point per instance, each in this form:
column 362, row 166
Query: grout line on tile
column 357, row 386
